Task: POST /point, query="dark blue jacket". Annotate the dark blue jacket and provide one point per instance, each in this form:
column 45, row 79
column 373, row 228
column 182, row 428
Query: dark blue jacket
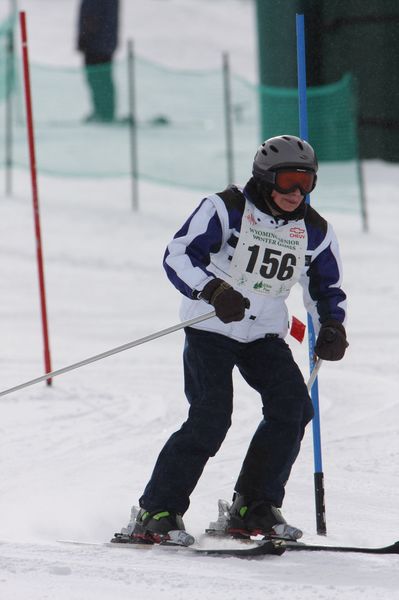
column 98, row 27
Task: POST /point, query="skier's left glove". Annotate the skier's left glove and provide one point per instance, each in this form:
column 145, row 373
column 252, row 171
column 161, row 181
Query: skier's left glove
column 331, row 342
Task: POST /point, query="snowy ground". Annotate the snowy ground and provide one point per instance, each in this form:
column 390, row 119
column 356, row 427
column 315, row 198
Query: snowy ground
column 76, row 456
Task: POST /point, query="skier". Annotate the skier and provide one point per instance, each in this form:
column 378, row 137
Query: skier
column 241, row 251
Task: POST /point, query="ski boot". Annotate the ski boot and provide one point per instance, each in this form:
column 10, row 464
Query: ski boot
column 258, row 517
column 156, row 527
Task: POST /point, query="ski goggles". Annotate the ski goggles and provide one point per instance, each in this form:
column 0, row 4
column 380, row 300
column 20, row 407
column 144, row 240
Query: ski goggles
column 286, row 181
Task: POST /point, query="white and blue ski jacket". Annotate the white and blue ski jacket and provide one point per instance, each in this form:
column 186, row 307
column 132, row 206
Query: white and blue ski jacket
column 207, row 246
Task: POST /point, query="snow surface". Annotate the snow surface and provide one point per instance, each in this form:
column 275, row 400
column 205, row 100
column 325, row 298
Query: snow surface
column 75, row 457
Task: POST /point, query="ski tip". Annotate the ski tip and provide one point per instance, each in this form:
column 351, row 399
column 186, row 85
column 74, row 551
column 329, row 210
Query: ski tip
column 394, row 548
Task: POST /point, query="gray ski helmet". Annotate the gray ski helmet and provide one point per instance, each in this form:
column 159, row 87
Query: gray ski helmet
column 281, row 152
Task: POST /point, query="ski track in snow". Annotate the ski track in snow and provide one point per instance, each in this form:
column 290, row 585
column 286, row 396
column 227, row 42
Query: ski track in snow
column 76, row 456
column 120, row 572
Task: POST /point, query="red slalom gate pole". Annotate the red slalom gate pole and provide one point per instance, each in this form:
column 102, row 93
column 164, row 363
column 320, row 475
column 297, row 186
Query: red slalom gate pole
column 35, row 195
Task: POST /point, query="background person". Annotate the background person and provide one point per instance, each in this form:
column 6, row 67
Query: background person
column 97, row 40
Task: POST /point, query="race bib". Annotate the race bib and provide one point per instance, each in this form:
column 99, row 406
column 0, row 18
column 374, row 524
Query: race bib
column 268, row 261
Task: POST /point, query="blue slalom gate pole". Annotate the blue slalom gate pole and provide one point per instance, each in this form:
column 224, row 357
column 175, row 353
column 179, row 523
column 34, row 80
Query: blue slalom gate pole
column 304, row 134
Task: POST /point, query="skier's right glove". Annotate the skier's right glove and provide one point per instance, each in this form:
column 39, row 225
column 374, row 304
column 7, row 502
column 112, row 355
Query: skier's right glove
column 229, row 304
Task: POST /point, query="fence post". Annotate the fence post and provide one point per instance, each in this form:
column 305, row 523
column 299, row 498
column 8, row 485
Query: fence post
column 8, row 110
column 363, row 203
column 133, row 125
column 359, row 167
column 228, row 119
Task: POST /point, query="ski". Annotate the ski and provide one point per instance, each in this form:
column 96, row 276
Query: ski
column 183, row 540
column 266, row 547
column 258, row 548
column 261, row 548
column 300, row 546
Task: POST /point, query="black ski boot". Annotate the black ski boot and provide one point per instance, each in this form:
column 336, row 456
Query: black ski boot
column 258, row 517
column 156, row 527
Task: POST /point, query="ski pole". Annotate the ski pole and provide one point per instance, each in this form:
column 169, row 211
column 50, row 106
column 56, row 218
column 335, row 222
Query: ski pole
column 87, row 361
column 317, row 364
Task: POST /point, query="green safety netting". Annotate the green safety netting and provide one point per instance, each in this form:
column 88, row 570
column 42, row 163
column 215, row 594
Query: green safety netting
column 332, row 117
column 332, row 132
column 180, row 126
column 7, row 59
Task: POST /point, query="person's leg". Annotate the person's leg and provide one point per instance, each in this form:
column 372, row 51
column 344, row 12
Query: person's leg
column 268, row 366
column 209, row 359
column 101, row 86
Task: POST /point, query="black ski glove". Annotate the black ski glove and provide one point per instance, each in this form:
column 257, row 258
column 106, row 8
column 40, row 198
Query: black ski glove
column 229, row 304
column 331, row 342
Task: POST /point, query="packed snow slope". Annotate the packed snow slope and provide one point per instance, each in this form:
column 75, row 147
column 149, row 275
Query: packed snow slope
column 75, row 456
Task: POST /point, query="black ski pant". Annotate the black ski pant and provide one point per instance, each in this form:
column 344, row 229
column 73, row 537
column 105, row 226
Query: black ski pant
column 268, row 366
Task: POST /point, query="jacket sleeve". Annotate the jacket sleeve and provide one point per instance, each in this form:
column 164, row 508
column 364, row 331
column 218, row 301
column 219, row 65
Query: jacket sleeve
column 323, row 296
column 188, row 254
